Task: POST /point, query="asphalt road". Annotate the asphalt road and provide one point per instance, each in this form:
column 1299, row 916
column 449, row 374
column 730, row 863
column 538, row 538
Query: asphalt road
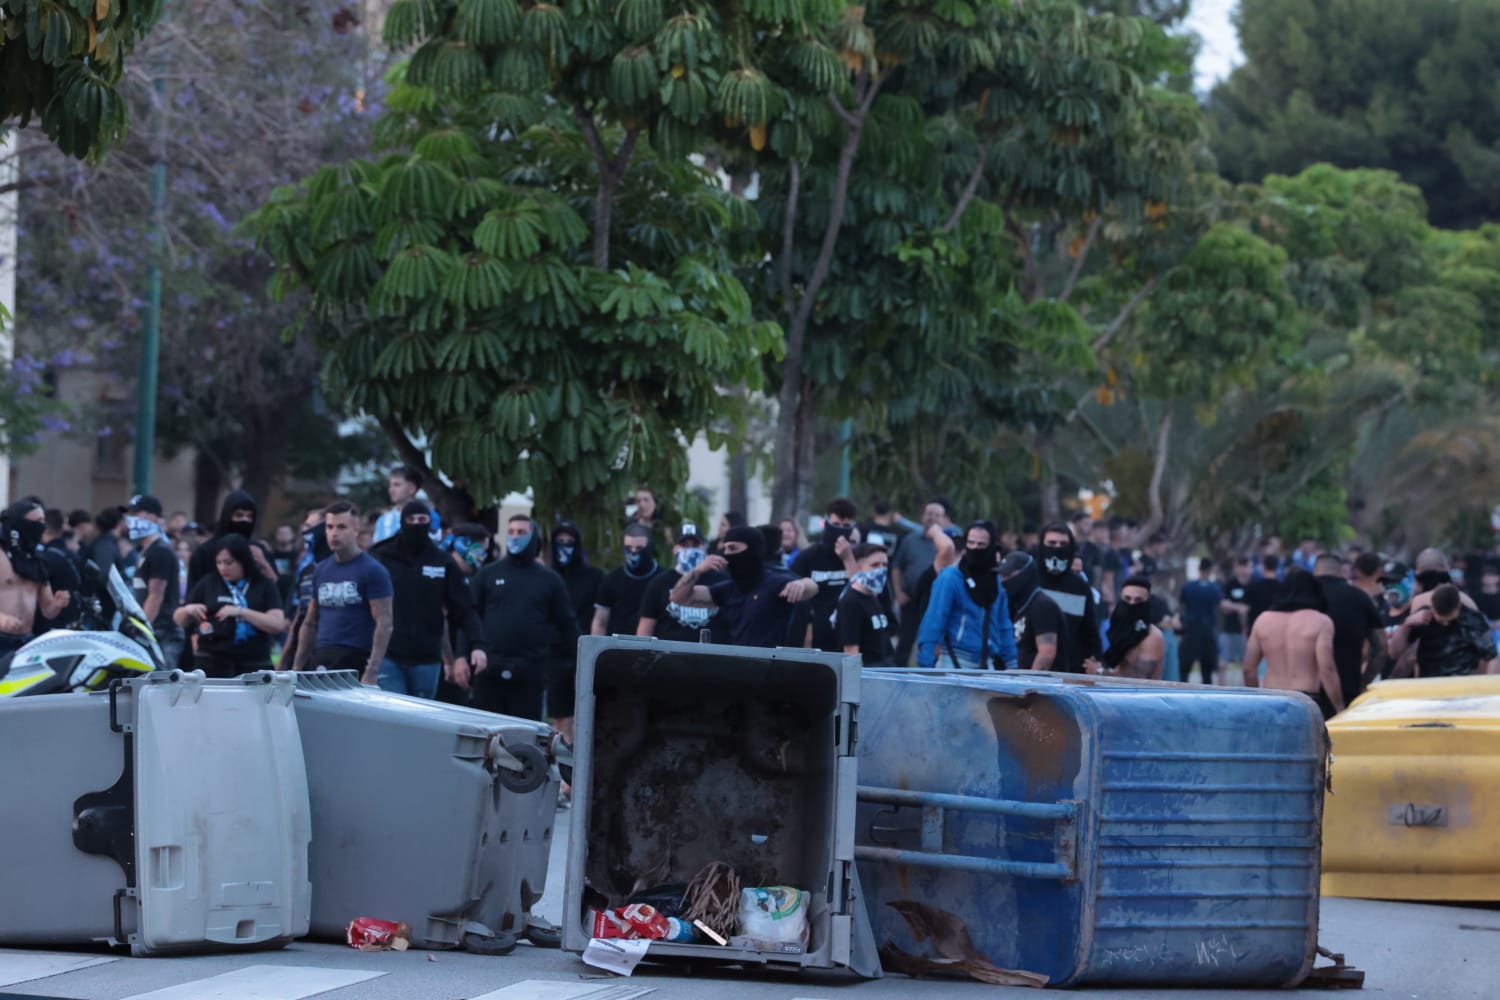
column 1406, row 950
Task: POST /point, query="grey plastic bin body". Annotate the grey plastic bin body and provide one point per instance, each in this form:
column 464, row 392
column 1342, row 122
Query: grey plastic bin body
column 688, row 754
column 423, row 812
column 170, row 814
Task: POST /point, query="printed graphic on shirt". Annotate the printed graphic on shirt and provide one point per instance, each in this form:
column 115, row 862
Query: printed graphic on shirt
column 339, row 594
column 690, row 617
column 434, row 572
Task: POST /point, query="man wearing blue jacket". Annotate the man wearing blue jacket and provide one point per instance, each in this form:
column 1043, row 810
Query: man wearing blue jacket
column 967, row 614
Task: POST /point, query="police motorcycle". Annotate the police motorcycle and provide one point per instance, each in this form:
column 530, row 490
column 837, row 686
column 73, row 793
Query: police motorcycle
column 117, row 643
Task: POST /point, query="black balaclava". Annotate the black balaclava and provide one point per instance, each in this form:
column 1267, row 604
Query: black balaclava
column 413, row 539
column 1300, row 591
column 1129, row 625
column 1056, row 562
column 316, row 539
column 22, row 539
column 1021, row 580
column 979, row 567
column 237, row 500
column 748, row 567
column 645, row 564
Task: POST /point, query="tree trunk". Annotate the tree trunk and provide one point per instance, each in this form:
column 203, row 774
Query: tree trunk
column 739, row 481
column 1051, row 499
column 1158, row 473
column 208, row 482
column 807, row 429
column 259, row 473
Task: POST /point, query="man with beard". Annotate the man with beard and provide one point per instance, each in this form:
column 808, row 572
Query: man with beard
column 759, row 605
column 829, row 564
column 24, row 591
column 526, row 613
column 1137, row 648
column 1033, row 614
column 431, row 596
column 1451, row 638
column 236, row 517
column 1295, row 638
column 349, row 619
column 1078, row 640
column 665, row 619
column 862, row 621
column 582, row 580
column 968, row 616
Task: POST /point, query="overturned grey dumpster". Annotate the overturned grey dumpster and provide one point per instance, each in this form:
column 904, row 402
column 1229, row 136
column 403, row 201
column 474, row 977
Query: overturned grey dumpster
column 169, row 813
column 434, row 815
column 689, row 755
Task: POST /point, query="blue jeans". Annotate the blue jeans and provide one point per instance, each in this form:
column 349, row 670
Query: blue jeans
column 419, row 680
column 1171, row 669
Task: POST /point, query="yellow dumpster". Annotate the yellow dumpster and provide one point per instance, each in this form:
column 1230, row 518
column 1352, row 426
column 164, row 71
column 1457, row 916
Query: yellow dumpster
column 1413, row 811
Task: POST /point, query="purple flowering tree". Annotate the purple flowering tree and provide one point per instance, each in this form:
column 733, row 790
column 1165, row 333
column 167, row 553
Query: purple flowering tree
column 249, row 97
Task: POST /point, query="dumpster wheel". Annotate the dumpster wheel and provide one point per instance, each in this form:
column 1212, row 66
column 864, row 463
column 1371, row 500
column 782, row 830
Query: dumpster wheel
column 533, row 773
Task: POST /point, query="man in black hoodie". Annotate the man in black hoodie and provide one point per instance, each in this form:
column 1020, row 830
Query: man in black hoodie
column 1078, row 640
column 236, row 517
column 571, row 562
column 431, row 593
column 829, row 564
column 526, row 613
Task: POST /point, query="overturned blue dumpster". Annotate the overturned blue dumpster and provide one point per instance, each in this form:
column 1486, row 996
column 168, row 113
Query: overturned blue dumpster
column 1090, row 831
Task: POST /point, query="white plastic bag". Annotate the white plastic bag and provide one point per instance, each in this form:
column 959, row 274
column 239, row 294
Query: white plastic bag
column 773, row 918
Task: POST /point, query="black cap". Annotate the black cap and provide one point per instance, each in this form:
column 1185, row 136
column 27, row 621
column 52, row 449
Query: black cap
column 1014, row 563
column 1393, row 571
column 689, row 532
column 144, row 503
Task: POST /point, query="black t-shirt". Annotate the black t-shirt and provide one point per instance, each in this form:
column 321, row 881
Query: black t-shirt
column 1041, row 617
column 676, row 623
column 623, row 594
column 1239, row 593
column 62, row 576
column 1354, row 618
column 863, row 622
column 1260, row 595
column 1460, row 647
column 1488, row 604
column 159, row 562
column 216, row 638
column 820, row 564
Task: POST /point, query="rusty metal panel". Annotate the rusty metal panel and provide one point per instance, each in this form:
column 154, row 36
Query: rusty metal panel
column 1116, row 832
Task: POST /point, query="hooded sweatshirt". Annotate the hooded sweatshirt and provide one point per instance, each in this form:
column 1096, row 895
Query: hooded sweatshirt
column 426, row 584
column 202, row 562
column 523, row 606
column 956, row 621
column 580, row 577
column 1079, row 638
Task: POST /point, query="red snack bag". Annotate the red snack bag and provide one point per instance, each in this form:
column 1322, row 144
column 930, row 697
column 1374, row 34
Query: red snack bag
column 647, row 922
column 371, row 934
column 609, row 924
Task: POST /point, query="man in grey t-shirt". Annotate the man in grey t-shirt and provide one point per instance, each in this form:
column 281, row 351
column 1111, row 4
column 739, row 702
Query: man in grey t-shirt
column 913, row 557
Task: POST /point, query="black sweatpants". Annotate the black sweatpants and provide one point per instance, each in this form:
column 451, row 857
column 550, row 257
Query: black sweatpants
column 512, row 686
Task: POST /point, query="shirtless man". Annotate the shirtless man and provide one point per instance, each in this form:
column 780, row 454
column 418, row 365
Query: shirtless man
column 23, row 574
column 1295, row 638
column 1136, row 647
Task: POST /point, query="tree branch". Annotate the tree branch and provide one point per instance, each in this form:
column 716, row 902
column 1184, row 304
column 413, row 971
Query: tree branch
column 1028, row 258
column 622, row 155
column 845, row 115
column 969, row 188
column 414, row 457
column 1083, row 255
column 1118, row 323
column 1158, row 472
column 789, row 228
column 591, row 136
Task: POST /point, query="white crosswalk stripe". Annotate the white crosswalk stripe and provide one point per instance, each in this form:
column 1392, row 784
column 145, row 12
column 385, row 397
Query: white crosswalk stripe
column 24, row 966
column 262, row 982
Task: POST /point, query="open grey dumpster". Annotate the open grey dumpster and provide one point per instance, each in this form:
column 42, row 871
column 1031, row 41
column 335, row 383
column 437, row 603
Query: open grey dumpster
column 430, row 814
column 169, row 813
column 693, row 754
column 1092, row 831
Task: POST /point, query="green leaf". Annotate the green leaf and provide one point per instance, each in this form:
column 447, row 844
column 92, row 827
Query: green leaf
column 511, row 234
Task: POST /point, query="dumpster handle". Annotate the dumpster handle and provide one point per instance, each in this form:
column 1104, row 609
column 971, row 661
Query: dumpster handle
column 969, row 803
column 964, row 863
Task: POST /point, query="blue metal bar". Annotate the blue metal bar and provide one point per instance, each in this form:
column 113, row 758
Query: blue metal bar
column 968, row 803
column 1216, row 818
column 1180, row 789
column 1248, row 758
column 1240, row 893
column 1226, row 925
column 963, row 863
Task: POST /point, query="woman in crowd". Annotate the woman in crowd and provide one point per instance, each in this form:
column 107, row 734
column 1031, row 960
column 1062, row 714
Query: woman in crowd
column 232, row 613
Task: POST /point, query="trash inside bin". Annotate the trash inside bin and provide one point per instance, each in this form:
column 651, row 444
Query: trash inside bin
column 429, row 814
column 169, row 813
column 715, row 769
column 1114, row 832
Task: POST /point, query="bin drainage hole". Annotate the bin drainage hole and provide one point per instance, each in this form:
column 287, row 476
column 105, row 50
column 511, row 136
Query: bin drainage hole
column 244, row 930
column 504, row 836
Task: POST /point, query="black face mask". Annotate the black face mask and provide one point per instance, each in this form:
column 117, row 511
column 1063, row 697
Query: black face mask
column 1432, row 579
column 976, row 561
column 834, row 532
column 1129, row 626
column 1057, row 559
column 21, row 539
column 241, row 528
column 1021, row 588
column 316, row 540
column 412, row 538
column 745, row 569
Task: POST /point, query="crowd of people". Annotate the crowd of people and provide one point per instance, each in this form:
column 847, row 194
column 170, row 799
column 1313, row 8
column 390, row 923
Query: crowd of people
column 491, row 618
